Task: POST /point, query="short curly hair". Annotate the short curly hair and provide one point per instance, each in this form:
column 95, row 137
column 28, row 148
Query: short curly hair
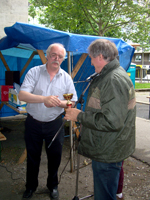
column 105, row 47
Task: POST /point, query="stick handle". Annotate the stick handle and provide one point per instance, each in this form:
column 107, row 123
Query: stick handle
column 57, row 133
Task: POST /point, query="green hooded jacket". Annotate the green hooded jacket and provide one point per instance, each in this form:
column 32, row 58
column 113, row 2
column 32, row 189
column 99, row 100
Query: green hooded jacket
column 108, row 123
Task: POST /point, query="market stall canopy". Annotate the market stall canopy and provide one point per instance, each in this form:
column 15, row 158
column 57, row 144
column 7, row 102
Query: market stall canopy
column 39, row 37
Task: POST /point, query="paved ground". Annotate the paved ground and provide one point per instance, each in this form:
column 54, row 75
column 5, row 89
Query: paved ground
column 142, row 127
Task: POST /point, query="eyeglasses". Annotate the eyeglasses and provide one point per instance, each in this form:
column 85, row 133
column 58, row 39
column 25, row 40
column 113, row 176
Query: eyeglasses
column 54, row 55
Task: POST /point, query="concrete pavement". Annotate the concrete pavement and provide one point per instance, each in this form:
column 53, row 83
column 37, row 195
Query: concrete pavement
column 142, row 151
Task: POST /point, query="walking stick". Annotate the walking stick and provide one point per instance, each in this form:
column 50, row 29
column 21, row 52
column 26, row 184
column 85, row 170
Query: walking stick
column 81, row 101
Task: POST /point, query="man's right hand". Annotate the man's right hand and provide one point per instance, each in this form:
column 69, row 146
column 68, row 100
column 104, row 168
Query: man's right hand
column 52, row 101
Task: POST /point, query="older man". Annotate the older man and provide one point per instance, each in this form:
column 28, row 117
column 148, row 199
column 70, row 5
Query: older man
column 43, row 89
column 108, row 123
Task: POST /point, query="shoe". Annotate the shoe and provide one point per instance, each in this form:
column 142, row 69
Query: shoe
column 28, row 194
column 54, row 194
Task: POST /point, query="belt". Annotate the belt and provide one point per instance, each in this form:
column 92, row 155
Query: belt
column 60, row 116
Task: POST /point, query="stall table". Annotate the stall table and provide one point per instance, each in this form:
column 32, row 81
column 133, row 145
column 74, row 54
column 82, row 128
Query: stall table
column 14, row 108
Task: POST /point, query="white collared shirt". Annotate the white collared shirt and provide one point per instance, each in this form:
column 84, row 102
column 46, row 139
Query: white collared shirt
column 37, row 81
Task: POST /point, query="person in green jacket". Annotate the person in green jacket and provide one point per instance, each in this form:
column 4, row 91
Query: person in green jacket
column 108, row 122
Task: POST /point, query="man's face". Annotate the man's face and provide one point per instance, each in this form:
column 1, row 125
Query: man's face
column 97, row 63
column 56, row 57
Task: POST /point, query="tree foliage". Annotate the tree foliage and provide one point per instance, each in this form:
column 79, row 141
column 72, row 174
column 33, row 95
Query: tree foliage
column 126, row 19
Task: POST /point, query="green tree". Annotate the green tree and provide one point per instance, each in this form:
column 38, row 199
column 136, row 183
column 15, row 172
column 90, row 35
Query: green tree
column 126, row 19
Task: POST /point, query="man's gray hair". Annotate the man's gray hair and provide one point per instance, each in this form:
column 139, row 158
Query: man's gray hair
column 105, row 47
column 55, row 44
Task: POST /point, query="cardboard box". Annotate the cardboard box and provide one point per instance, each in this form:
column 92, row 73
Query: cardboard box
column 5, row 92
column 13, row 99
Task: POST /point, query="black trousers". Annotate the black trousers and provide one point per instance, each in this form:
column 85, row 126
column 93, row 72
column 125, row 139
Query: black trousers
column 35, row 133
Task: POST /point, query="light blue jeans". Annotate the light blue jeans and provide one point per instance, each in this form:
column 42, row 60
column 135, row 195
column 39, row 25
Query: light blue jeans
column 106, row 177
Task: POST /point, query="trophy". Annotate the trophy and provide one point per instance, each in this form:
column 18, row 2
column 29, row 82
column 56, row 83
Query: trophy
column 68, row 97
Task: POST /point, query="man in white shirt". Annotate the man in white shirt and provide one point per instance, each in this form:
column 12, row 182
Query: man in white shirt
column 43, row 89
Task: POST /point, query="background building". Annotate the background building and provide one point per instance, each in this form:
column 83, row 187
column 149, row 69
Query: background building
column 142, row 61
column 12, row 11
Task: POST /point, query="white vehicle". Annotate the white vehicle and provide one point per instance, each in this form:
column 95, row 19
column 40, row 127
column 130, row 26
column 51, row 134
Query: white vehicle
column 147, row 77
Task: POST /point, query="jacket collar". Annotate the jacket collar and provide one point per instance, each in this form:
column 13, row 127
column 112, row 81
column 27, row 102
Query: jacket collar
column 110, row 66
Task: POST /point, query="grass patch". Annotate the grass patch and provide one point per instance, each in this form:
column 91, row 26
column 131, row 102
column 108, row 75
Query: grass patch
column 142, row 85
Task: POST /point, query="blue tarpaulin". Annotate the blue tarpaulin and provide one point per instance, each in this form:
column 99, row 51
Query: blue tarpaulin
column 31, row 37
